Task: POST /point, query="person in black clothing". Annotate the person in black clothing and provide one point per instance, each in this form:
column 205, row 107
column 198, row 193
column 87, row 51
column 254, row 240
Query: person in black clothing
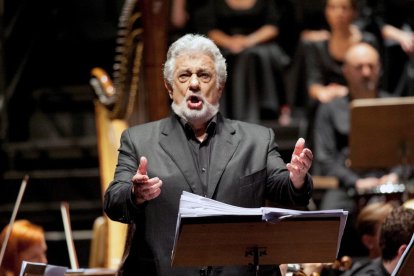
column 324, row 58
column 247, row 32
column 361, row 70
column 196, row 150
column 332, row 125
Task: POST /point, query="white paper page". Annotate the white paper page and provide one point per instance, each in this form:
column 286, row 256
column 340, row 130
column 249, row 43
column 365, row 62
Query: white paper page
column 192, row 205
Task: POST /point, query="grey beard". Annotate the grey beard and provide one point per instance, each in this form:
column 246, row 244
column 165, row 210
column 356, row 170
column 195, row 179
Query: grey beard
column 195, row 116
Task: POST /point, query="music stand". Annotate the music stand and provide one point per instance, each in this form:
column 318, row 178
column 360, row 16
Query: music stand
column 247, row 240
column 381, row 133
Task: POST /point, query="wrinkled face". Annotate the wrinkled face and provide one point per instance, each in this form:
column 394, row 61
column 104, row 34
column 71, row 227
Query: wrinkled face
column 339, row 13
column 194, row 89
column 362, row 70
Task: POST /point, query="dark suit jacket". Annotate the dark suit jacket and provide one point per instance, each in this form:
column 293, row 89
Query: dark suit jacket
column 245, row 170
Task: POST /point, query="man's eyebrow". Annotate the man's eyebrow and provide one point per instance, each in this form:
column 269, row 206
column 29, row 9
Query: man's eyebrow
column 183, row 70
column 203, row 69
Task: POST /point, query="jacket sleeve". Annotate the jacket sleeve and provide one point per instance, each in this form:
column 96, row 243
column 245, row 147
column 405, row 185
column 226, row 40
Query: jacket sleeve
column 118, row 200
column 280, row 189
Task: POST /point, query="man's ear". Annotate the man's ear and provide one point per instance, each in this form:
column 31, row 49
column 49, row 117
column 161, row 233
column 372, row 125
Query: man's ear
column 220, row 89
column 169, row 89
column 401, row 250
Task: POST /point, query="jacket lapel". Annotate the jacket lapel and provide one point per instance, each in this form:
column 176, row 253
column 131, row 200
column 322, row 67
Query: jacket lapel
column 174, row 143
column 225, row 144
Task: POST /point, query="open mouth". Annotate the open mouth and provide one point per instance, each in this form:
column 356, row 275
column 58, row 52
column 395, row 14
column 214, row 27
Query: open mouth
column 194, row 102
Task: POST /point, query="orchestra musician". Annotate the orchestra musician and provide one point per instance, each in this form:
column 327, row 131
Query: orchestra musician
column 396, row 233
column 368, row 225
column 392, row 229
column 199, row 151
column 361, row 70
column 26, row 243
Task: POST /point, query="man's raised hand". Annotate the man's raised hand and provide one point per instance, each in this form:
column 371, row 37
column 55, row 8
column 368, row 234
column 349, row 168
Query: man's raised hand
column 300, row 163
column 145, row 188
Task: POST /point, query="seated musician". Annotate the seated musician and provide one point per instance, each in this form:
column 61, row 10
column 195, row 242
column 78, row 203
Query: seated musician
column 368, row 224
column 395, row 235
column 26, row 243
column 361, row 70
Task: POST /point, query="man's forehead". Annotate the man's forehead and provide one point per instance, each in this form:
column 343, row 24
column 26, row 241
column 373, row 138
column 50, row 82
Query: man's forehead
column 364, row 62
column 193, row 56
column 361, row 54
column 194, row 60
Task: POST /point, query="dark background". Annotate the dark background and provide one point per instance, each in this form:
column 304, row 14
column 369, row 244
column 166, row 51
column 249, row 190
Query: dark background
column 47, row 127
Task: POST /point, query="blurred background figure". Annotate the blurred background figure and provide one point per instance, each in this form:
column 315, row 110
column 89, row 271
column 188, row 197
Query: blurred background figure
column 324, row 57
column 246, row 31
column 332, row 126
column 396, row 21
column 393, row 24
column 26, row 243
column 183, row 14
column 361, row 69
column 395, row 235
column 368, row 225
column 310, row 24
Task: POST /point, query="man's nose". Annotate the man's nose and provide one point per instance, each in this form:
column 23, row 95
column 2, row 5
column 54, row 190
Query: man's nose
column 194, row 82
column 366, row 71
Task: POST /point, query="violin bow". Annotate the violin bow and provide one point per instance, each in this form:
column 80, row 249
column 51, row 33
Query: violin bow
column 64, row 208
column 13, row 217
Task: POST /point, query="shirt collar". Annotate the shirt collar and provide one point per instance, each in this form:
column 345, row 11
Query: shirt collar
column 211, row 127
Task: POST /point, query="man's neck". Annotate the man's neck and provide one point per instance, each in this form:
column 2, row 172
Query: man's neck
column 390, row 265
column 200, row 131
column 362, row 93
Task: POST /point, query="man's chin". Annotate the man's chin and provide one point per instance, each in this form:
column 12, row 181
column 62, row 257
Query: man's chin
column 195, row 116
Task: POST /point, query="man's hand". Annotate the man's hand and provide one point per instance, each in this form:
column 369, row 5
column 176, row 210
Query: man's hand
column 145, row 188
column 300, row 163
column 332, row 91
column 365, row 184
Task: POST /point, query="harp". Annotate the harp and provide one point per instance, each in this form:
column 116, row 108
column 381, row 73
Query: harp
column 123, row 100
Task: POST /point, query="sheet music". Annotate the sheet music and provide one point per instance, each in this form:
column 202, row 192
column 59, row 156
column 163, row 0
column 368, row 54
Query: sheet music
column 41, row 269
column 192, row 205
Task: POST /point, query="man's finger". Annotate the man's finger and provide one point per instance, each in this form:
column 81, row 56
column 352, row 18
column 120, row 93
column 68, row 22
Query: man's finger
column 142, row 168
column 300, row 145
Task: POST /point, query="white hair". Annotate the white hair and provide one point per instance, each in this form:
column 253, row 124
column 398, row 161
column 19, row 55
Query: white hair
column 194, row 43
